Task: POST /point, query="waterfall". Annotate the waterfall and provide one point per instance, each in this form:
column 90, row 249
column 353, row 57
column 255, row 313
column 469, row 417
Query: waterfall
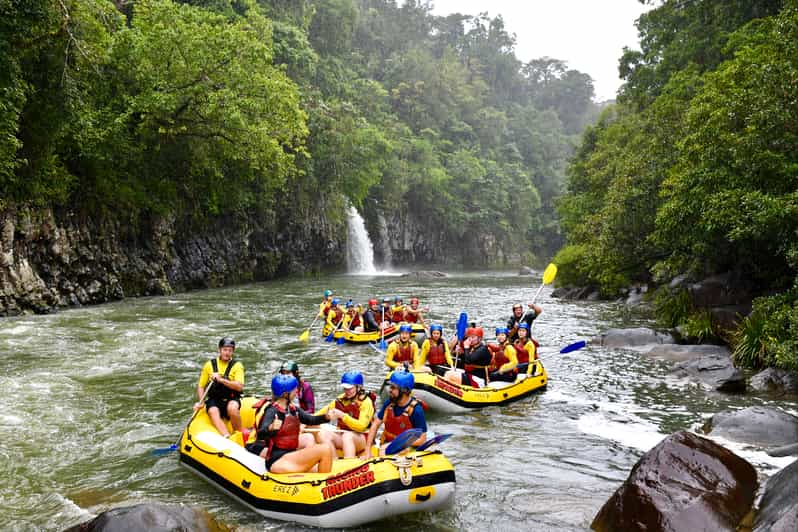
column 359, row 251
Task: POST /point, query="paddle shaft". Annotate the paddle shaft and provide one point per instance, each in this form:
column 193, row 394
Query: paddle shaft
column 175, row 445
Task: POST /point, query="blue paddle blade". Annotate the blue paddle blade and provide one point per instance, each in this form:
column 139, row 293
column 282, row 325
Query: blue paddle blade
column 573, row 347
column 440, row 438
column 165, row 450
column 341, row 340
column 462, row 324
column 403, row 441
column 330, row 337
column 383, row 345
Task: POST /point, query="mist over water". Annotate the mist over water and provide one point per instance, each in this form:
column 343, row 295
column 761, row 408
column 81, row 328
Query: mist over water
column 100, row 387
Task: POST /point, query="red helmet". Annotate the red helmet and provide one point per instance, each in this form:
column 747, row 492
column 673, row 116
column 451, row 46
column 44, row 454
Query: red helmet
column 414, row 301
column 474, row 331
column 372, row 302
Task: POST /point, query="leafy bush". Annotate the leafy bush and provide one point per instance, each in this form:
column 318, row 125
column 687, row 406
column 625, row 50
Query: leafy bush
column 573, row 266
column 769, row 335
column 672, row 308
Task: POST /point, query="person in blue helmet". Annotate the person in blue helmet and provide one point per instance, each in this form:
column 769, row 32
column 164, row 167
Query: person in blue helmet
column 354, row 409
column 403, row 351
column 525, row 348
column 401, row 411
column 276, row 434
column 504, row 362
column 326, row 304
column 435, row 355
column 336, row 313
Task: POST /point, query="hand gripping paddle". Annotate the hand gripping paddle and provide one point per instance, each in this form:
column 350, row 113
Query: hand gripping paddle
column 440, row 438
column 403, row 441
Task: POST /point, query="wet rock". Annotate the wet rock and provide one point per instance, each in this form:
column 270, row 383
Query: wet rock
column 778, row 508
column 636, row 295
column 633, row 337
column 686, row 482
column 778, row 381
column 153, row 517
column 784, row 450
column 680, row 353
column 526, row 270
column 576, row 292
column 425, row 274
column 756, row 425
column 714, row 370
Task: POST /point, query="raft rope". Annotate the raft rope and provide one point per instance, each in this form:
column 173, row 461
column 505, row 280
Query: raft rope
column 403, row 463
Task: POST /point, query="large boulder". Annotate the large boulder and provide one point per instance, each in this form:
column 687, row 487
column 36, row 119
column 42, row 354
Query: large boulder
column 762, row 426
column 636, row 337
column 425, row 274
column 778, row 508
column 152, row 517
column 686, row 482
column 713, row 370
column 681, row 353
column 777, row 381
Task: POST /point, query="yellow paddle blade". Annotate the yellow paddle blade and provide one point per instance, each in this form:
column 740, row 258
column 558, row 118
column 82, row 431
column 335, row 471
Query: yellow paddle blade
column 549, row 273
column 304, row 336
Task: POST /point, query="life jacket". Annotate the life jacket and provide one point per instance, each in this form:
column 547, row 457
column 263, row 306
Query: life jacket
column 397, row 314
column 521, row 353
column 395, row 425
column 436, row 356
column 403, row 354
column 385, row 312
column 410, row 317
column 352, row 407
column 326, row 309
column 339, row 315
column 219, row 391
column 303, row 392
column 287, row 438
column 355, row 321
column 499, row 358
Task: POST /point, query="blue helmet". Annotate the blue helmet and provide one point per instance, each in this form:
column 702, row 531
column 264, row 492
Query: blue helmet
column 397, row 299
column 336, row 301
column 350, row 304
column 283, row 384
column 502, row 330
column 436, row 327
column 405, row 327
column 523, row 325
column 352, row 378
column 327, row 293
column 404, row 380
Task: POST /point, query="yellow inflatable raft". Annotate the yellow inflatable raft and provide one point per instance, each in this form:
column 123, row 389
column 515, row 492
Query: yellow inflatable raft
column 441, row 395
column 355, row 492
column 353, row 337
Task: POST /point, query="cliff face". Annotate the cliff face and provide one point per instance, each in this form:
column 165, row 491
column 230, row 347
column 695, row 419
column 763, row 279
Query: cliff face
column 51, row 259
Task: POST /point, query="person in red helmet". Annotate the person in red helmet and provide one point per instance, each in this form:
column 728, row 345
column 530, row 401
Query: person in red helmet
column 476, row 355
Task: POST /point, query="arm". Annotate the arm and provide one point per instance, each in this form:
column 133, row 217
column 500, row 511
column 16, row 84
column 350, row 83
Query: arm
column 375, row 425
column 414, row 352
column 448, row 355
column 389, row 354
column 363, row 419
column 205, row 378
column 530, row 348
column 534, row 312
column 509, row 352
column 310, row 419
column 236, row 380
column 421, row 359
column 265, row 426
column 419, row 422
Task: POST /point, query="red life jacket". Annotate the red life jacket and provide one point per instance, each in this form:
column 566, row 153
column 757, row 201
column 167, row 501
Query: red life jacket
column 355, row 321
column 384, row 312
column 499, row 358
column 287, row 438
column 339, row 314
column 353, row 408
column 395, row 425
column 521, row 353
column 327, row 307
column 403, row 354
column 410, row 317
column 436, row 356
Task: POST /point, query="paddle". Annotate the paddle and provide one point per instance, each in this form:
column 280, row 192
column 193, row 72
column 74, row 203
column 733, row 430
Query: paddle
column 462, row 324
column 548, row 276
column 403, row 441
column 306, row 334
column 573, row 347
column 166, row 450
column 440, row 438
column 383, row 345
column 332, row 334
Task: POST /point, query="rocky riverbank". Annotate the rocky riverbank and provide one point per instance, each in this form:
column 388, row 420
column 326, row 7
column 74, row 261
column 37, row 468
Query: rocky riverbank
column 51, row 259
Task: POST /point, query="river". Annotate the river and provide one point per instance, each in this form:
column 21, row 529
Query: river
column 94, row 390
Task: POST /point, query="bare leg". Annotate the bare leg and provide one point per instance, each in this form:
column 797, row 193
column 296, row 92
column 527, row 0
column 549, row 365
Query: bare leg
column 331, row 439
column 304, row 460
column 216, row 419
column 306, row 440
column 353, row 444
column 234, row 414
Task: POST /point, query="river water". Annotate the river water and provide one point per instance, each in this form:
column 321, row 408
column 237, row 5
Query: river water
column 94, row 390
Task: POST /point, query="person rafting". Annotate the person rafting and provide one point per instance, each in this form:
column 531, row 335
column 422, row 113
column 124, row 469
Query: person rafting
column 326, row 304
column 276, row 437
column 352, row 319
column 476, row 354
column 371, row 317
column 307, row 401
column 520, row 317
column 504, row 362
column 435, row 355
column 525, row 348
column 398, row 310
column 335, row 314
column 402, row 351
column 401, row 411
column 225, row 378
column 354, row 409
column 413, row 314
column 386, row 312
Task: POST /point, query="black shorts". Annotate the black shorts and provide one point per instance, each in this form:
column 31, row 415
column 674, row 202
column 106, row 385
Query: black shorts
column 221, row 404
column 257, row 446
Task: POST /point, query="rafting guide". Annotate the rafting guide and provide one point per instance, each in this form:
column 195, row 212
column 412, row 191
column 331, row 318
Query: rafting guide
column 224, row 378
